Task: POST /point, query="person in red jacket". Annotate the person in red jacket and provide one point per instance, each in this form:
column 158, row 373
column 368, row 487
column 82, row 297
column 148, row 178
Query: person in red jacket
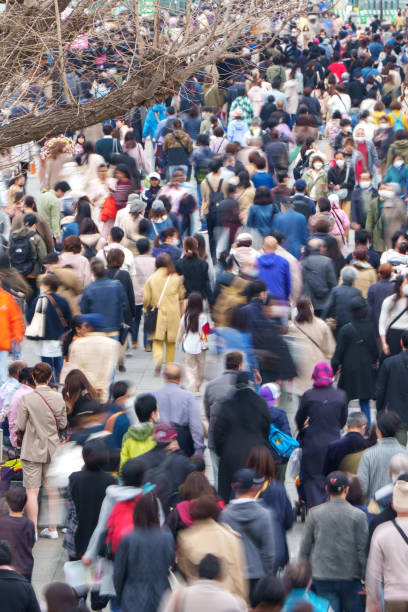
column 11, row 329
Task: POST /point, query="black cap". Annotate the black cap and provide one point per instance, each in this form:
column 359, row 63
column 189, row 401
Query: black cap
column 336, row 482
column 245, row 479
column 30, row 219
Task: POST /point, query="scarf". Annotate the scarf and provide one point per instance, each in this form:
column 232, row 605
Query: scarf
column 322, row 375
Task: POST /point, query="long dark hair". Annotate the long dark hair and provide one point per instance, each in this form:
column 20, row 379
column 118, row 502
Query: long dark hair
column 68, row 337
column 77, row 385
column 304, row 310
column 193, row 310
column 146, row 512
column 82, row 210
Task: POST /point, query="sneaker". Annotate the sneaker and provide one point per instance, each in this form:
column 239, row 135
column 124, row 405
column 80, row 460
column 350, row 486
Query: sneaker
column 129, row 352
column 122, row 368
column 134, row 345
column 51, row 535
column 148, row 348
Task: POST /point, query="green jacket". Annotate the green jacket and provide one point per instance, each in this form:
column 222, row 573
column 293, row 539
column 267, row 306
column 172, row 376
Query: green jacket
column 320, row 183
column 276, row 71
column 39, row 250
column 49, row 206
column 137, row 440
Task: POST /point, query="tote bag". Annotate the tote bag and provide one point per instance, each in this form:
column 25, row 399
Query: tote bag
column 36, row 329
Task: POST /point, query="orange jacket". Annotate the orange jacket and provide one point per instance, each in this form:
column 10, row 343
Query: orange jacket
column 109, row 209
column 11, row 321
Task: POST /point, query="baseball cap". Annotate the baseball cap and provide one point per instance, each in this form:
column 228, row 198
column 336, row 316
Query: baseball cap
column 155, row 175
column 30, row 219
column 336, row 482
column 245, row 479
column 94, row 320
column 164, row 433
column 300, row 184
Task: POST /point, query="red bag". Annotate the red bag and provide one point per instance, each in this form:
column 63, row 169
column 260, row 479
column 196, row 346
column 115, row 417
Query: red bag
column 109, row 209
column 120, row 523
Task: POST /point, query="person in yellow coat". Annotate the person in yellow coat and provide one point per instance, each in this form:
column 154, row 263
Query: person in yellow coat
column 164, row 290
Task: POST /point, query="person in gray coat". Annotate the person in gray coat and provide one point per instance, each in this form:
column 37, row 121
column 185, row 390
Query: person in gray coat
column 335, row 543
column 143, row 559
column 338, row 306
column 319, row 277
column 216, row 392
column 254, row 523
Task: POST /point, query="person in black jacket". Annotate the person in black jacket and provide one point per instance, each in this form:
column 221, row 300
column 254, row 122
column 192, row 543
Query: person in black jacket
column 338, row 306
column 16, row 592
column 341, row 176
column 392, row 385
column 194, row 270
column 352, row 442
column 356, row 89
column 115, row 259
column 356, row 355
column 242, row 423
column 86, row 493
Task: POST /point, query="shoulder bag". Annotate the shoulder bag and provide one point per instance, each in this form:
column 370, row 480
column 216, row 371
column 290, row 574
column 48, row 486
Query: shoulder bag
column 402, row 533
column 60, row 434
column 150, row 319
column 393, row 336
column 36, row 329
column 61, row 317
column 308, row 337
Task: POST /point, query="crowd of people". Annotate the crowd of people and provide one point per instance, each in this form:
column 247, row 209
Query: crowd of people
column 257, row 223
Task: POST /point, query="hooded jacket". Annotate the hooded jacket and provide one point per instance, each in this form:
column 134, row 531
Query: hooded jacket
column 274, row 271
column 256, row 526
column 153, row 117
column 137, row 440
column 398, row 147
column 237, row 130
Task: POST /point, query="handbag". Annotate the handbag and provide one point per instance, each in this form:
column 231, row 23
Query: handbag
column 150, row 319
column 36, row 329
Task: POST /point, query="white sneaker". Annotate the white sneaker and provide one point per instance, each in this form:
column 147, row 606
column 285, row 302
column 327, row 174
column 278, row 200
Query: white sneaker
column 51, row 535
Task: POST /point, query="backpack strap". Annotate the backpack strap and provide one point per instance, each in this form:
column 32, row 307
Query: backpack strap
column 402, row 533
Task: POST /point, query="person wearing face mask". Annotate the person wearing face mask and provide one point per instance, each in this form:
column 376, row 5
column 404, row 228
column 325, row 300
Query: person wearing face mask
column 361, row 197
column 341, row 181
column 316, row 177
column 397, row 173
column 400, row 145
column 385, row 216
column 345, row 132
column 364, row 156
column 397, row 255
column 394, row 317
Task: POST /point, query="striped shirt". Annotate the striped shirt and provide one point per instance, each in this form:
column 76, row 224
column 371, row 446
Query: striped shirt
column 374, row 462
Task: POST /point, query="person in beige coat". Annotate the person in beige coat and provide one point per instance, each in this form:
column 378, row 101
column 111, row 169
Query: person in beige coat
column 41, row 414
column 206, row 593
column 164, row 290
column 366, row 275
column 314, row 343
column 205, row 536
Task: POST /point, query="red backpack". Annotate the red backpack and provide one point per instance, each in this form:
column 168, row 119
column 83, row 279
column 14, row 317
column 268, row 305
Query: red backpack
column 120, row 524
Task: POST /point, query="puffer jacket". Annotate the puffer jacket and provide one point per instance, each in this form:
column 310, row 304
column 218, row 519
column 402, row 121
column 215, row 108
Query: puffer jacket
column 137, row 441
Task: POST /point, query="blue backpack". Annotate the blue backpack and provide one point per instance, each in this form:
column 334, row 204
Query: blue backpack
column 282, row 443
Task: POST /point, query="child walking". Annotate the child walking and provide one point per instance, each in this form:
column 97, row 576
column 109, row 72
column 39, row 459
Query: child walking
column 192, row 335
column 19, row 532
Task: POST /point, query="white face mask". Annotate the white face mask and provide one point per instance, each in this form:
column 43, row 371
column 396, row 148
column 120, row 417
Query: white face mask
column 318, row 165
column 384, row 193
column 340, row 163
column 365, row 184
column 398, row 163
column 383, row 126
column 359, row 138
column 405, row 290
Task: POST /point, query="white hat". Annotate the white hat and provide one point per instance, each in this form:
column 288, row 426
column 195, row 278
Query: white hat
column 155, row 175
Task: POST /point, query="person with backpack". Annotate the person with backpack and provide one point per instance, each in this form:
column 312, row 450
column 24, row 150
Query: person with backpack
column 117, row 513
column 213, row 192
column 398, row 120
column 28, row 251
column 177, row 146
column 167, row 466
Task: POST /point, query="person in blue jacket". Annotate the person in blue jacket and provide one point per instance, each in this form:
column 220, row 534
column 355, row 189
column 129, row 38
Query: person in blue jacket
column 294, row 227
column 261, row 212
column 274, row 270
column 155, row 114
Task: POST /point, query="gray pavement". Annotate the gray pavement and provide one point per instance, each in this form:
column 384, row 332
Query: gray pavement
column 49, row 555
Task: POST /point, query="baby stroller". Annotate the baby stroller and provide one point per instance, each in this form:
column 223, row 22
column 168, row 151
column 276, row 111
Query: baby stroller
column 300, row 504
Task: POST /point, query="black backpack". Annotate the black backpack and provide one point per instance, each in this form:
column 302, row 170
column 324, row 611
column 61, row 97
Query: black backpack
column 215, row 197
column 21, row 253
column 89, row 251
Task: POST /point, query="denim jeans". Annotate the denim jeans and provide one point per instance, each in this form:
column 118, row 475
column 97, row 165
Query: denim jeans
column 115, row 604
column 3, row 366
column 365, row 408
column 136, row 325
column 341, row 594
column 56, row 366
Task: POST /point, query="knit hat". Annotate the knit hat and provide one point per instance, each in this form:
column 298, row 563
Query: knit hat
column 164, row 433
column 157, row 206
column 400, row 496
column 237, row 112
column 322, row 375
column 336, row 482
column 136, row 204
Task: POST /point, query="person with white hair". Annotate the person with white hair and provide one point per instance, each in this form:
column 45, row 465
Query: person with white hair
column 338, row 306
